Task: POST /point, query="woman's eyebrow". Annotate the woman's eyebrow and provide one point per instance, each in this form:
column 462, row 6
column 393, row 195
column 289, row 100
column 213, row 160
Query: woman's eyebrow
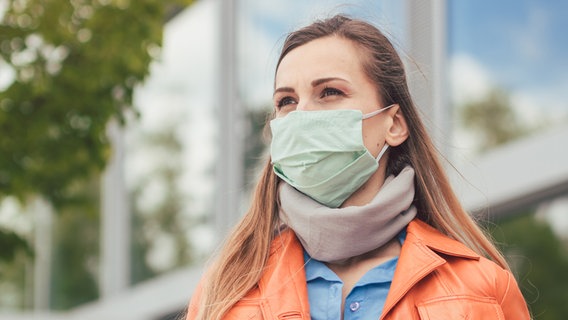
column 314, row 83
column 318, row 82
column 283, row 89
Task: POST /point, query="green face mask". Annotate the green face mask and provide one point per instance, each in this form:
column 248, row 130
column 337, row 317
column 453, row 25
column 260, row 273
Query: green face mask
column 321, row 153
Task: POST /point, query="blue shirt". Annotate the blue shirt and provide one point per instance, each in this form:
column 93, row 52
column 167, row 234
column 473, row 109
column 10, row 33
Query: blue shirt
column 366, row 299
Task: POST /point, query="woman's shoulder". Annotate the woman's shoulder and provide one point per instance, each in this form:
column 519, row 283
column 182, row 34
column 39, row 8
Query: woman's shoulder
column 481, row 283
column 446, row 272
column 458, row 268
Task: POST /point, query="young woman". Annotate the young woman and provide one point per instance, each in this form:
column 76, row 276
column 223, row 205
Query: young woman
column 353, row 216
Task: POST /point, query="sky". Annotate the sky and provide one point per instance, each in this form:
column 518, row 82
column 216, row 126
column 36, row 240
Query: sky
column 517, row 45
column 523, row 41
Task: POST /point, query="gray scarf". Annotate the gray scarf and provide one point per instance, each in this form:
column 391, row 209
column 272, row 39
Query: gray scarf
column 335, row 234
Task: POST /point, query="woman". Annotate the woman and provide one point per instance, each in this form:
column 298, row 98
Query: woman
column 353, row 216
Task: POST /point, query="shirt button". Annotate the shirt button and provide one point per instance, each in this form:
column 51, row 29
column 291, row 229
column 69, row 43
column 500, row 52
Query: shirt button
column 354, row 306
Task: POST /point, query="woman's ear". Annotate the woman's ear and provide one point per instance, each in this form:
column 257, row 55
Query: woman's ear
column 397, row 132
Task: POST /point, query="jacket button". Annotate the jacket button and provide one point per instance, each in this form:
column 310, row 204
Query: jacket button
column 354, row 306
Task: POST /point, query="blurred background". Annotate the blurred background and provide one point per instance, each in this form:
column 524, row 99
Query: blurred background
column 130, row 132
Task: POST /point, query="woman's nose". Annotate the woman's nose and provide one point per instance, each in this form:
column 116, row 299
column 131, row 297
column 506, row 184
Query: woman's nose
column 307, row 105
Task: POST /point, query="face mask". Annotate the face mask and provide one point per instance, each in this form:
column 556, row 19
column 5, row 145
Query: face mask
column 321, row 153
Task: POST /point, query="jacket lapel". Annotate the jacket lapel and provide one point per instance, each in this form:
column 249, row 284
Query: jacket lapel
column 418, row 258
column 283, row 288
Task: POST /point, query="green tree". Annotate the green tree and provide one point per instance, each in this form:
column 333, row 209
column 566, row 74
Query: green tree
column 11, row 244
column 14, row 259
column 75, row 64
column 256, row 139
column 494, row 119
column 540, row 261
column 76, row 249
column 166, row 218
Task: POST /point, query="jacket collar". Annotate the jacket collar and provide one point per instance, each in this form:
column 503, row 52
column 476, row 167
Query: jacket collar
column 433, row 239
column 419, row 256
column 421, row 253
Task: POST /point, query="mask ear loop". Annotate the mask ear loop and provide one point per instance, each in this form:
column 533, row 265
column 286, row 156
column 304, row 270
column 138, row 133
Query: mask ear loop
column 376, row 112
column 372, row 114
column 383, row 150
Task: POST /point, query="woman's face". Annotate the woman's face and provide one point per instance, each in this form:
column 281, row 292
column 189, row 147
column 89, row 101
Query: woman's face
column 327, row 74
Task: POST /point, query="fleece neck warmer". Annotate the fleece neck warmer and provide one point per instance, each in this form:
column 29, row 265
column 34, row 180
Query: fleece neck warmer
column 335, row 234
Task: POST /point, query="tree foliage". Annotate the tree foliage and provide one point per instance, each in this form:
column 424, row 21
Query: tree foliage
column 494, row 119
column 540, row 261
column 257, row 137
column 75, row 65
column 72, row 66
column 11, row 242
column 163, row 219
column 76, row 250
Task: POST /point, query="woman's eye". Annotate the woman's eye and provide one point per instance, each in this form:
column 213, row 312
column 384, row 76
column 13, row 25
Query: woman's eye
column 285, row 101
column 331, row 92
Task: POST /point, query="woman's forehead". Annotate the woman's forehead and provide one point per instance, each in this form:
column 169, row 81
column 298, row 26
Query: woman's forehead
column 320, row 58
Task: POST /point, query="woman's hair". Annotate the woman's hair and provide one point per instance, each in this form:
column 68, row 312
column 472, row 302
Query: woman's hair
column 239, row 266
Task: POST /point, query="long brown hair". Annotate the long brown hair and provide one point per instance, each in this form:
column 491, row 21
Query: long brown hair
column 240, row 263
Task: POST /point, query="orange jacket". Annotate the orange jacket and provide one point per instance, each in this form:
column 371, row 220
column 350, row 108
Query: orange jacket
column 436, row 278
